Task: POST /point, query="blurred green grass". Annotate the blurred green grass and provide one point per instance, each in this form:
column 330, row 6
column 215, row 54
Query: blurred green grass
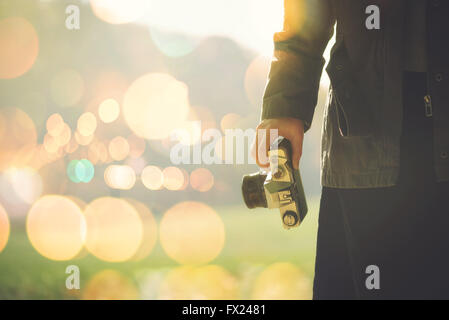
column 254, row 240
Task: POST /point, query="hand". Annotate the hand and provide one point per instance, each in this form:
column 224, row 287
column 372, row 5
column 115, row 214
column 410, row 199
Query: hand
column 290, row 128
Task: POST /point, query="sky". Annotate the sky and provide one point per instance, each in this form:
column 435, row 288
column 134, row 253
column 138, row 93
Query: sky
column 251, row 23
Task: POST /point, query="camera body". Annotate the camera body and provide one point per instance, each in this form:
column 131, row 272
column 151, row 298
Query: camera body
column 280, row 188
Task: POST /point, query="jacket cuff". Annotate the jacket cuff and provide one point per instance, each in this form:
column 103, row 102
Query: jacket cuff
column 279, row 106
column 292, row 88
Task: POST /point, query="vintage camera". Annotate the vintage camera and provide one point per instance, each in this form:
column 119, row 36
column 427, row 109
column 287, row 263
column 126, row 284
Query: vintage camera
column 281, row 188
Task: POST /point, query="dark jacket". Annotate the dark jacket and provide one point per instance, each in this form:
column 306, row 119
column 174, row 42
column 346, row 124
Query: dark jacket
column 362, row 122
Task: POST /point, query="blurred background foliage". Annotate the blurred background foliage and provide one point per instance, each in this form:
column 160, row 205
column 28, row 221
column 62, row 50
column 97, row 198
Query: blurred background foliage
column 85, row 173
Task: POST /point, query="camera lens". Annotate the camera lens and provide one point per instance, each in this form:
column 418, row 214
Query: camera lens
column 290, row 218
column 253, row 191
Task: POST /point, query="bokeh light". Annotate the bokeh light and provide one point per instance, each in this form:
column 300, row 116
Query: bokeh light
column 209, row 282
column 55, row 124
column 72, row 146
column 80, row 171
column 152, row 177
column 118, row 148
column 186, row 179
column 155, row 105
column 87, row 124
column 110, row 285
column 282, row 281
column 118, row 11
column 50, row 144
column 174, row 178
column 4, row 228
column 97, row 152
column 173, row 44
column 149, row 229
column 67, row 88
column 20, row 47
column 83, row 140
column 56, row 227
column 120, row 177
column 201, row 179
column 230, row 121
column 79, row 202
column 64, row 136
column 109, row 110
column 192, row 233
column 114, row 229
column 26, row 183
column 18, row 138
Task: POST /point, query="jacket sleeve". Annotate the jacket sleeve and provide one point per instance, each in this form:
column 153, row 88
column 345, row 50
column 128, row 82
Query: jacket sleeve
column 294, row 78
